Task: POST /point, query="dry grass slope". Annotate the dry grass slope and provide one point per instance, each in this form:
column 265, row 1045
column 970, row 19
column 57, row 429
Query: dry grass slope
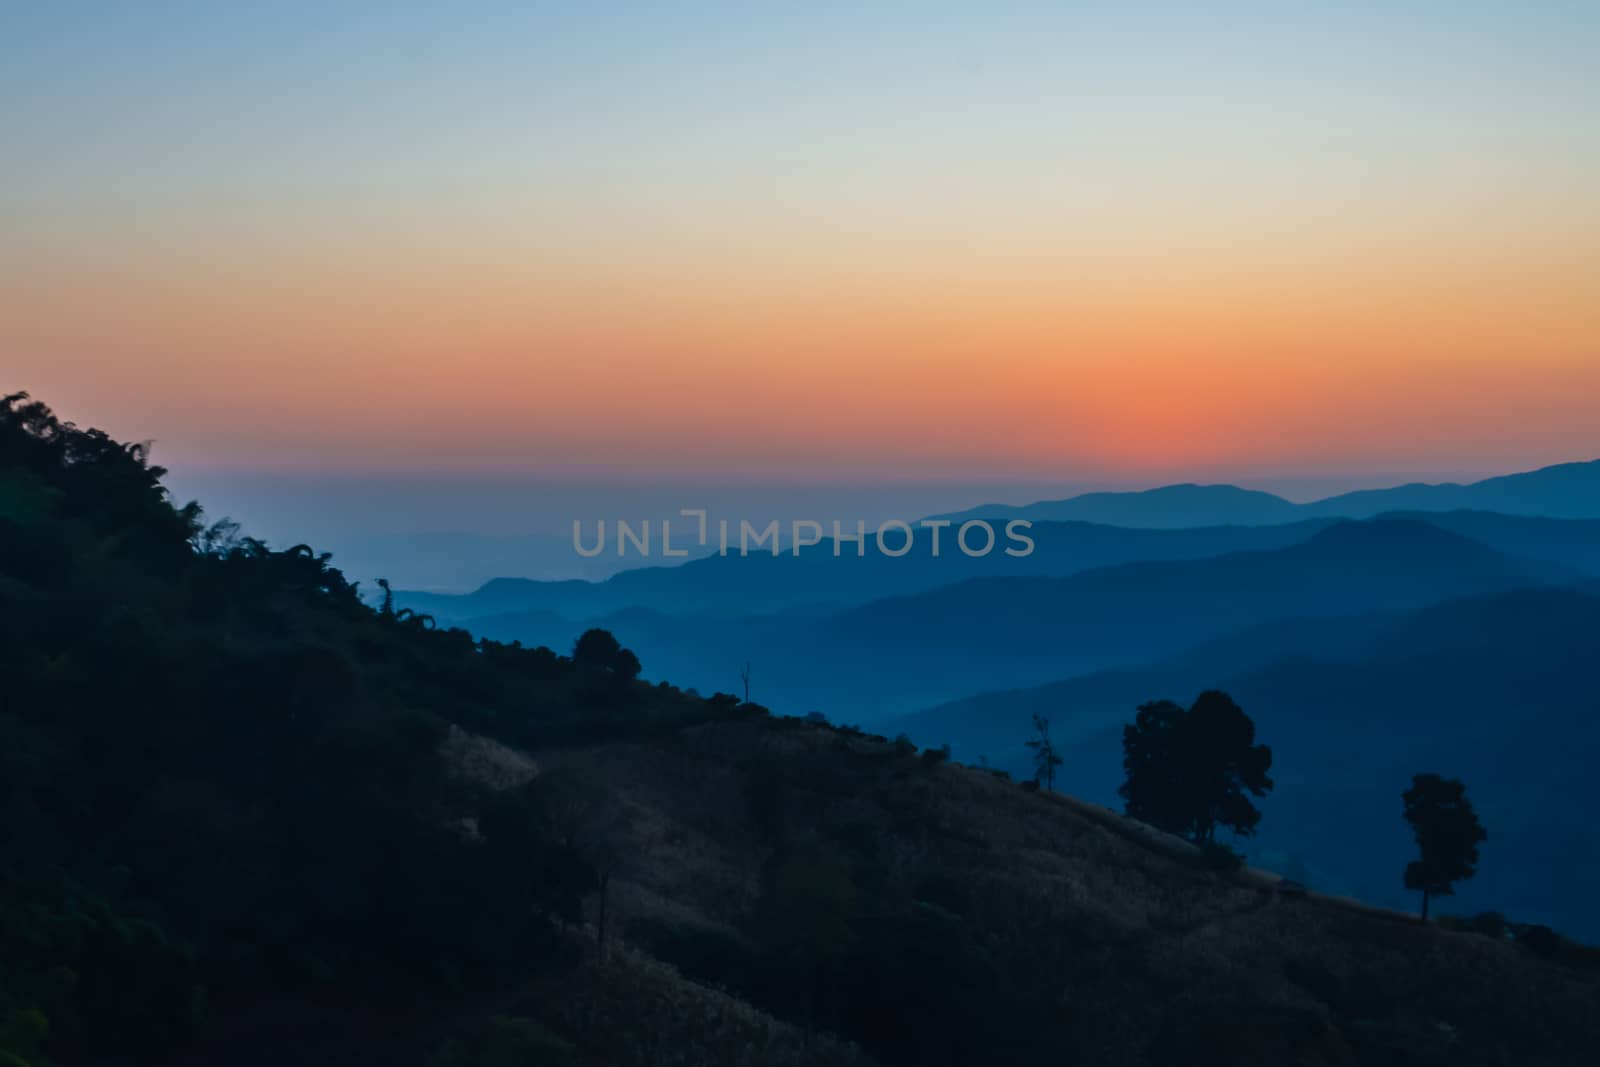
column 1150, row 957
column 637, row 1012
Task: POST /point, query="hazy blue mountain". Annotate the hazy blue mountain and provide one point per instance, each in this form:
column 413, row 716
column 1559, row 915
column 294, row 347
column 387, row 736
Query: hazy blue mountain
column 1029, row 630
column 455, row 561
column 1567, row 491
column 1081, row 707
column 453, row 532
column 1078, row 533
column 762, row 582
column 1571, row 543
column 816, row 578
column 1498, row 690
column 893, row 655
column 1169, row 507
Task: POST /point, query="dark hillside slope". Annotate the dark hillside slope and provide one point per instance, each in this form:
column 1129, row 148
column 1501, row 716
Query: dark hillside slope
column 1041, row 929
column 250, row 820
column 232, row 795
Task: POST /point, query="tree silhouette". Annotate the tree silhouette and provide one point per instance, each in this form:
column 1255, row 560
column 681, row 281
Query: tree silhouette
column 1045, row 758
column 596, row 648
column 1189, row 772
column 1448, row 835
column 599, row 650
column 1153, row 760
column 625, row 664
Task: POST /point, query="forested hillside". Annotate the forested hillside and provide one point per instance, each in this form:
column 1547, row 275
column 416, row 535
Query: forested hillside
column 229, row 784
column 251, row 819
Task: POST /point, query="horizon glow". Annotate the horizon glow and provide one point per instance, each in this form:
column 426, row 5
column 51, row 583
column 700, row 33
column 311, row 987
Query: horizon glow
column 1156, row 242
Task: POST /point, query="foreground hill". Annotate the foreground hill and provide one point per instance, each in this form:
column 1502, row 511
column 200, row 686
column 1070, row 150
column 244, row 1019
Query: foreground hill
column 1495, row 689
column 974, row 922
column 251, row 820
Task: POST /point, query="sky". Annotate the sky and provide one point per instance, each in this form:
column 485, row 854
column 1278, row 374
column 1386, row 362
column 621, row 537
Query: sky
column 762, row 242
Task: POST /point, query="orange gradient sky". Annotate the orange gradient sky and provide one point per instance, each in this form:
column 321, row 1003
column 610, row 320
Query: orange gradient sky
column 906, row 243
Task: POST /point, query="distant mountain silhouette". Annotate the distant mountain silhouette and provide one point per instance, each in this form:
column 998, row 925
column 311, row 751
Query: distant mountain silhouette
column 1084, row 706
column 1169, row 507
column 1072, row 535
column 1018, row 628
column 761, row 583
column 459, row 561
column 818, row 580
column 1497, row 689
column 1565, row 491
column 1571, row 543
